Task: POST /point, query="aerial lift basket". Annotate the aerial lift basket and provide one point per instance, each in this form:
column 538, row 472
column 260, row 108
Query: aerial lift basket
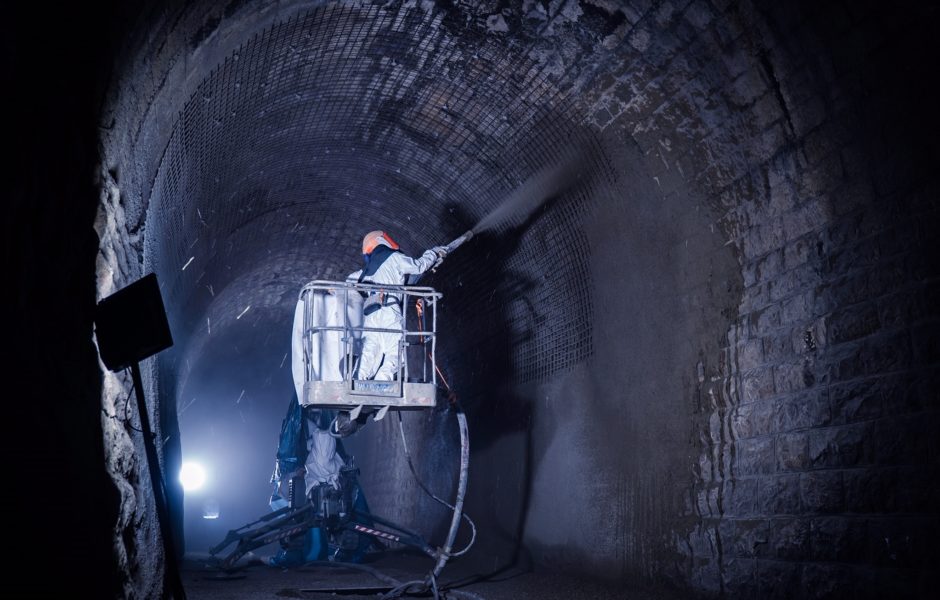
column 331, row 341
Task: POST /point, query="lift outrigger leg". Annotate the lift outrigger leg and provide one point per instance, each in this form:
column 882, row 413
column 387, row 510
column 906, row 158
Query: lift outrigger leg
column 289, row 522
column 279, row 525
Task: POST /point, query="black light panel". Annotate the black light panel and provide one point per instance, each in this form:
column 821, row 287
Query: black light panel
column 131, row 324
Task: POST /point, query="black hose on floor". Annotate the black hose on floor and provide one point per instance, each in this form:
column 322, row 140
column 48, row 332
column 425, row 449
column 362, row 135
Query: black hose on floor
column 401, row 586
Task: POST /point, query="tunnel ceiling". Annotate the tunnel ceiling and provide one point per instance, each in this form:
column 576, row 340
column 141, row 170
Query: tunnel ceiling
column 263, row 141
column 343, row 119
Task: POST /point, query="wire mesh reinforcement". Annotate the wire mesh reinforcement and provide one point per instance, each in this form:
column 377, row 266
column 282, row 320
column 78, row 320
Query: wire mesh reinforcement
column 352, row 117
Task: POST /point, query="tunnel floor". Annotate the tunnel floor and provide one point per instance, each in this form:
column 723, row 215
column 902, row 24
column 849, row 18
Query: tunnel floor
column 258, row 580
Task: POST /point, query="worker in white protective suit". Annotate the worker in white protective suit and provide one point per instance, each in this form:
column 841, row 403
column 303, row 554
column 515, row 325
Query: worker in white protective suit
column 386, row 264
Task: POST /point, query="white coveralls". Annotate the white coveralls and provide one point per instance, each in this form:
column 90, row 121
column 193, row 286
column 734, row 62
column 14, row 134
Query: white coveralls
column 323, row 462
column 379, row 358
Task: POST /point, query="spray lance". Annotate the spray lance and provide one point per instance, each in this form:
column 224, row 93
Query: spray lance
column 451, row 247
column 459, row 241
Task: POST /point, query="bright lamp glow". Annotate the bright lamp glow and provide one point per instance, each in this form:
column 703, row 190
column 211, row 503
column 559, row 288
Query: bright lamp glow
column 192, row 476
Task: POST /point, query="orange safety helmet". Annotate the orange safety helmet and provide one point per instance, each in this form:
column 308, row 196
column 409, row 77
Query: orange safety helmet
column 375, row 238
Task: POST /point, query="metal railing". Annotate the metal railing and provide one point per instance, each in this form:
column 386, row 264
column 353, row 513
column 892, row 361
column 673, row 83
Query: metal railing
column 333, row 333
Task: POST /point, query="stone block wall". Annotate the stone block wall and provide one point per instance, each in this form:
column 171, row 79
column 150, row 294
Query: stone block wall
column 819, row 475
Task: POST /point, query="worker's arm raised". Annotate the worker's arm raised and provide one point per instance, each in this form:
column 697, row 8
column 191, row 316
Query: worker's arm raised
column 416, row 266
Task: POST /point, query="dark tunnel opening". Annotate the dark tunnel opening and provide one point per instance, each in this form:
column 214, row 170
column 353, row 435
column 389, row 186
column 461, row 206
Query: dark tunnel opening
column 707, row 368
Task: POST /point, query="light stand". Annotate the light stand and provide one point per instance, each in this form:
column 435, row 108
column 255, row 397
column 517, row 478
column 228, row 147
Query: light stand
column 131, row 325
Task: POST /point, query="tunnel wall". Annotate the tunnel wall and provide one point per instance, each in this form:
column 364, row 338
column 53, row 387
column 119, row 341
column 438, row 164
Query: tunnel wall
column 135, row 530
column 808, row 415
column 762, row 418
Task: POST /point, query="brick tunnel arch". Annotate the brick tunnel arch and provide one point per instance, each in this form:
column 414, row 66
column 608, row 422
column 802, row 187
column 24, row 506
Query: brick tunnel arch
column 715, row 342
